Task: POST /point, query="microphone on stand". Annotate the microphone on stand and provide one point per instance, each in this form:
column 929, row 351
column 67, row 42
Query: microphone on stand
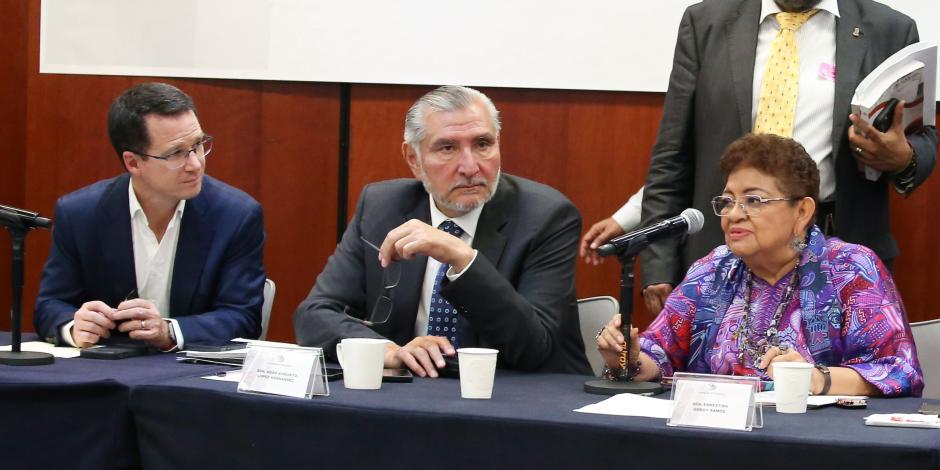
column 626, row 247
column 19, row 222
column 688, row 222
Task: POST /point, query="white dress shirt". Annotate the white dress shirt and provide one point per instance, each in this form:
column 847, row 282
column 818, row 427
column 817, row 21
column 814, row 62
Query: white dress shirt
column 467, row 222
column 628, row 216
column 153, row 262
column 816, row 92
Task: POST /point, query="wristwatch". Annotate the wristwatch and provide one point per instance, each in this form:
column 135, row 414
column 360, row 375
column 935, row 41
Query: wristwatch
column 827, row 379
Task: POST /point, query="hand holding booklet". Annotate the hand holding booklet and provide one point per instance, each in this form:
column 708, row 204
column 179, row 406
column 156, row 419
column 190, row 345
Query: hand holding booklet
column 910, row 75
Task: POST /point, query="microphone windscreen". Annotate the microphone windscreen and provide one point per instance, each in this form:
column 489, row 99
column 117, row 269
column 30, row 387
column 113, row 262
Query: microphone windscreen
column 695, row 218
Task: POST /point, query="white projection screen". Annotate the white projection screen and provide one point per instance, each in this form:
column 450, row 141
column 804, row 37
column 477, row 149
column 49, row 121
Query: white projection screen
column 621, row 45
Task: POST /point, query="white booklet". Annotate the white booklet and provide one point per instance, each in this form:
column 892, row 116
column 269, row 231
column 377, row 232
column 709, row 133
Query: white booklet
column 910, row 75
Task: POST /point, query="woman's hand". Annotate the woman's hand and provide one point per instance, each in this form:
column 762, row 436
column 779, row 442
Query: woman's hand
column 610, row 343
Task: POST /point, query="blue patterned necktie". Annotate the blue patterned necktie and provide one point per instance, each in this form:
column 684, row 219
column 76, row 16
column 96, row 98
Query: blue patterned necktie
column 442, row 316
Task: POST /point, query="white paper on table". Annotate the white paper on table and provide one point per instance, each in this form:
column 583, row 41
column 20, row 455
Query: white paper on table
column 227, row 376
column 812, row 401
column 629, row 404
column 64, row 352
column 904, row 420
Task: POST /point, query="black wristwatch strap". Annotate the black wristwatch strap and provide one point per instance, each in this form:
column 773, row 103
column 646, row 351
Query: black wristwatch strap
column 827, row 378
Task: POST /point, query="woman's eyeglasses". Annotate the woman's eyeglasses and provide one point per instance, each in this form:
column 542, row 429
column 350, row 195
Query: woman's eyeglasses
column 751, row 204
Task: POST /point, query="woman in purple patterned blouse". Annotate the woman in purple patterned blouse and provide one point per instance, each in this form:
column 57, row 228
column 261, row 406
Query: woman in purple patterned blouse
column 779, row 291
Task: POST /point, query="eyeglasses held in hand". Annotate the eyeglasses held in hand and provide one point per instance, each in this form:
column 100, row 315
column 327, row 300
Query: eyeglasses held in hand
column 382, row 309
column 177, row 159
column 751, row 204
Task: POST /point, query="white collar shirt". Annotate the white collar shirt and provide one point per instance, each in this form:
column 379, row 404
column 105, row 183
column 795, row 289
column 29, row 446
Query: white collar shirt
column 816, row 92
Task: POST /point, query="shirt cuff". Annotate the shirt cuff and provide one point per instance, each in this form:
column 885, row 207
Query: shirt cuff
column 65, row 333
column 629, row 216
column 452, row 276
column 180, row 343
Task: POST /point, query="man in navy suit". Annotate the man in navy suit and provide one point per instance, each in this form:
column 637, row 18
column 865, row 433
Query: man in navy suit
column 468, row 256
column 163, row 253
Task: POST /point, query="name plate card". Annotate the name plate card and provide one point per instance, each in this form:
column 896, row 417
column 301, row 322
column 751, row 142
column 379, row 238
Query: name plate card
column 291, row 371
column 710, row 401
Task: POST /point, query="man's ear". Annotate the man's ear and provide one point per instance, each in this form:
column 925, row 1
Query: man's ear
column 411, row 158
column 131, row 164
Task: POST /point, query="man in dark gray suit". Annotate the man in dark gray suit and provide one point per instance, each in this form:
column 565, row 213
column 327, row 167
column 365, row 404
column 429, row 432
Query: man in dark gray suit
column 501, row 276
column 720, row 59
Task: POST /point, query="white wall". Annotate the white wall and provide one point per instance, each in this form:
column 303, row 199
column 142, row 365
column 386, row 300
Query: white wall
column 588, row 44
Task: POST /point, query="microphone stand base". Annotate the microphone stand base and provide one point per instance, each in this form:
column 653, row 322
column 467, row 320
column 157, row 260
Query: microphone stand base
column 613, row 387
column 25, row 358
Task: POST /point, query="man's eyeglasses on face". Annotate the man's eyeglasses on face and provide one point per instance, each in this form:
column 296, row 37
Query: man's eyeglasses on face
column 382, row 309
column 751, row 204
column 177, row 159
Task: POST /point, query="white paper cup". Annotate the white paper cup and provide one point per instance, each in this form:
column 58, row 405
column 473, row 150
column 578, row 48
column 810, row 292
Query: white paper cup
column 791, row 385
column 477, row 369
column 362, row 360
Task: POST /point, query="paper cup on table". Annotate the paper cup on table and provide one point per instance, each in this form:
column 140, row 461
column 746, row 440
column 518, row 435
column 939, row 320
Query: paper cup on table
column 477, row 369
column 362, row 360
column 791, row 385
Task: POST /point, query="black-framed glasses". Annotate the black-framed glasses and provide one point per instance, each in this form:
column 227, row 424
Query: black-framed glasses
column 751, row 204
column 176, row 160
column 382, row 310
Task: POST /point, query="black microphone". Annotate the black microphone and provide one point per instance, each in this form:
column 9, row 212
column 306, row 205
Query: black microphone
column 689, row 221
column 19, row 218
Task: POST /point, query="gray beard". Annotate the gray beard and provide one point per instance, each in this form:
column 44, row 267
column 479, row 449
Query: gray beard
column 456, row 206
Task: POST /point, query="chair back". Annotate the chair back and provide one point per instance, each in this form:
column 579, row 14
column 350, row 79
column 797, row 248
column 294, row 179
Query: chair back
column 927, row 340
column 269, row 290
column 594, row 313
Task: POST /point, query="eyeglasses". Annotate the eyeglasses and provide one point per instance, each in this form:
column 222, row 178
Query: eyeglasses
column 176, row 160
column 382, row 309
column 751, row 204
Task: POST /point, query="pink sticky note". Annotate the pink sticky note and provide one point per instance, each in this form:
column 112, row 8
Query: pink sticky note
column 827, row 72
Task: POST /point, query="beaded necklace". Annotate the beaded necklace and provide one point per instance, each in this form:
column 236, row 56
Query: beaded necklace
column 755, row 351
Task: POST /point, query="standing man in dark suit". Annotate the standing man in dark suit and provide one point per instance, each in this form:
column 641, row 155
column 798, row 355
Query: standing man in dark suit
column 163, row 252
column 459, row 256
column 722, row 54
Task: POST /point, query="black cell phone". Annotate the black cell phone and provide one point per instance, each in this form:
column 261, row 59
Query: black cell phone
column 112, row 352
column 451, row 369
column 215, row 347
column 334, row 373
column 397, row 375
column 929, row 408
column 885, row 117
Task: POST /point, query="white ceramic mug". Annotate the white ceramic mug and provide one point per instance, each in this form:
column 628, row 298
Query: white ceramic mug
column 362, row 360
column 477, row 369
column 791, row 385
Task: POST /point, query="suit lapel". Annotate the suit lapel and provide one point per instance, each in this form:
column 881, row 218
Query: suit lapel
column 489, row 239
column 192, row 248
column 742, row 45
column 115, row 242
column 850, row 53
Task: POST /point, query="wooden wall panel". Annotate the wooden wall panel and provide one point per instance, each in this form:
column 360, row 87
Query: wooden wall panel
column 917, row 270
column 13, row 34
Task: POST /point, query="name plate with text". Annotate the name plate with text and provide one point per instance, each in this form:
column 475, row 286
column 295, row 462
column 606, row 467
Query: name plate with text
column 714, row 401
column 290, row 370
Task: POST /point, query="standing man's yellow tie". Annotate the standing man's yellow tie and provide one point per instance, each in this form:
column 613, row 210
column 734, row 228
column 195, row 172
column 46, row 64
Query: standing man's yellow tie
column 778, row 93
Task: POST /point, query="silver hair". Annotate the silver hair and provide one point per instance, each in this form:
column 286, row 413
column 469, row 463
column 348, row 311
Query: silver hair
column 445, row 98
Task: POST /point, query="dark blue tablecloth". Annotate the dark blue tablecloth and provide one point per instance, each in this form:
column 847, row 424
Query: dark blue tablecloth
column 529, row 423
column 75, row 413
